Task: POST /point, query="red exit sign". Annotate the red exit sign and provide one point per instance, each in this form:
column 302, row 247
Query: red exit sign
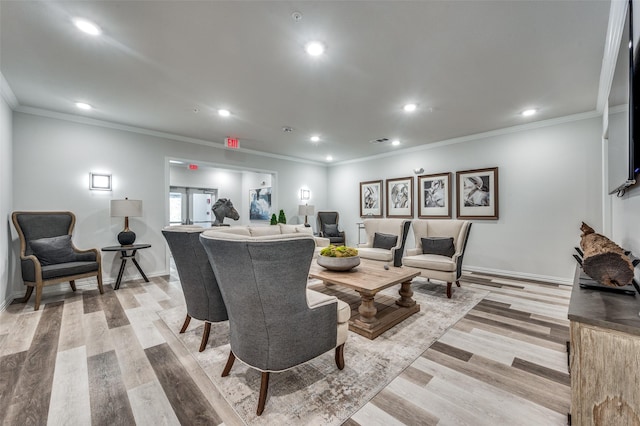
column 233, row 143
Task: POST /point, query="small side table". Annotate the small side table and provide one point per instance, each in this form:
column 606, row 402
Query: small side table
column 124, row 255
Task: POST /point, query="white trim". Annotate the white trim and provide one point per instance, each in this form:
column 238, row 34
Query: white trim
column 7, row 93
column 492, row 133
column 617, row 16
column 149, row 132
column 525, row 275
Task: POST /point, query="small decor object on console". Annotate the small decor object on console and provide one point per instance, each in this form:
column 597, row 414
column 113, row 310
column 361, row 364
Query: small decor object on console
column 340, row 258
column 604, row 260
column 274, row 220
column 224, row 208
column 281, row 217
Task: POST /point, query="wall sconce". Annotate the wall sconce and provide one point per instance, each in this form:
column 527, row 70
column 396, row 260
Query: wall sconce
column 100, row 181
column 305, row 194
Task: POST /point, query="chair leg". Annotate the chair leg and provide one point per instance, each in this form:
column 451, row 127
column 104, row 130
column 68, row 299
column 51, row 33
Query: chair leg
column 449, row 290
column 458, row 283
column 205, row 336
column 99, row 277
column 264, row 385
column 72, row 283
column 187, row 320
column 38, row 297
column 340, row 356
column 27, row 295
column 229, row 364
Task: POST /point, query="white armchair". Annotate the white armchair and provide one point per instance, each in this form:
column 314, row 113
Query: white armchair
column 442, row 259
column 384, row 247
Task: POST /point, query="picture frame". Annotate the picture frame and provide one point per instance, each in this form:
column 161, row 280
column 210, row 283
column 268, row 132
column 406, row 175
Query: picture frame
column 260, row 203
column 477, row 194
column 434, row 196
column 371, row 199
column 400, row 197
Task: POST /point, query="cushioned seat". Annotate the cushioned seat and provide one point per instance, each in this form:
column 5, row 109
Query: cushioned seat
column 386, row 240
column 439, row 234
column 69, row 268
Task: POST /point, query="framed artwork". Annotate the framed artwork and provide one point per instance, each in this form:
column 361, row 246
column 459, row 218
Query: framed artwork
column 371, row 198
column 400, row 197
column 434, row 196
column 477, row 194
column 260, row 203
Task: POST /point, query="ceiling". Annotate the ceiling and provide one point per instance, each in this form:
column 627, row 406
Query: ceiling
column 471, row 66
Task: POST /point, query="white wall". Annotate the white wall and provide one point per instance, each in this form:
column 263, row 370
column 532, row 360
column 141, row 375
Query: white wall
column 7, row 261
column 53, row 158
column 549, row 181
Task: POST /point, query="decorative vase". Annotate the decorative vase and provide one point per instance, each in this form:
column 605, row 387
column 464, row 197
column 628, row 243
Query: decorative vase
column 338, row 263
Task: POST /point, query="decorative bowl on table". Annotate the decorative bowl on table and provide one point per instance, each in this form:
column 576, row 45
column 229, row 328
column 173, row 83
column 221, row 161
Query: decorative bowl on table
column 339, row 258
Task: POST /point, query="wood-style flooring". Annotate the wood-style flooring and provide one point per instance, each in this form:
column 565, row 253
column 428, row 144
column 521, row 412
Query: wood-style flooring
column 86, row 358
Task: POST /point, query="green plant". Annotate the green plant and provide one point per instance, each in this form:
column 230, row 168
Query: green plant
column 339, row 251
column 274, row 219
column 281, row 217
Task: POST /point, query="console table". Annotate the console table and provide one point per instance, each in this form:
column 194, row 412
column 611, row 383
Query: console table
column 127, row 252
column 604, row 356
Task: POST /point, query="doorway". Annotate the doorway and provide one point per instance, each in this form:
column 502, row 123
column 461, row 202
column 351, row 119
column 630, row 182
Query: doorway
column 191, row 206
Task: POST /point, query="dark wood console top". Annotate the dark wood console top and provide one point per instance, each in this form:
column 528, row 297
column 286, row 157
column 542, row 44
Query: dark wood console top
column 603, row 309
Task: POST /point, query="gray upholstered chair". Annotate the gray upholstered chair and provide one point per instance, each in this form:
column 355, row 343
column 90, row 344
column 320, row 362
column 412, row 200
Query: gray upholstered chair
column 47, row 254
column 388, row 245
column 201, row 293
column 328, row 227
column 440, row 257
column 276, row 323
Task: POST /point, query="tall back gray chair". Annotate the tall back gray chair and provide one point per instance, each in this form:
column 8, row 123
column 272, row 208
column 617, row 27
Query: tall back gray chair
column 199, row 285
column 275, row 322
column 328, row 227
column 47, row 254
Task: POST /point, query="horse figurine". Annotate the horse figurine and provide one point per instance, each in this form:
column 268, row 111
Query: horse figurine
column 224, row 208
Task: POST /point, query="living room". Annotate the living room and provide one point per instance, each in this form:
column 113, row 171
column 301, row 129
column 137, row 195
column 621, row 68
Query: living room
column 551, row 178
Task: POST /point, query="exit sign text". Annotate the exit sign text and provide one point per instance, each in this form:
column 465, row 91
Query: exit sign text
column 233, row 143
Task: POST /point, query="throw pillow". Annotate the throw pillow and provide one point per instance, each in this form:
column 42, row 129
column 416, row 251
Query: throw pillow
column 442, row 246
column 384, row 241
column 331, row 230
column 51, row 251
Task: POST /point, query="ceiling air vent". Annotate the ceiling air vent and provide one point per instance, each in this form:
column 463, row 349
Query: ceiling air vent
column 381, row 140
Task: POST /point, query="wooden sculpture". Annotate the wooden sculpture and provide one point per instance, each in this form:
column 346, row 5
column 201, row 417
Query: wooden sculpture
column 604, row 260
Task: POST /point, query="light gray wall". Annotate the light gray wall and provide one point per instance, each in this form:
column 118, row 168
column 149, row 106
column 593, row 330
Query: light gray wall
column 53, row 158
column 549, row 181
column 7, row 261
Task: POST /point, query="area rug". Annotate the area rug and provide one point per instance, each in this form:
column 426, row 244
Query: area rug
column 317, row 393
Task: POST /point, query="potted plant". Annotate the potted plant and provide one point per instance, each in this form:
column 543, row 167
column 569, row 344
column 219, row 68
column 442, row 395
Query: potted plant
column 338, row 258
column 274, row 219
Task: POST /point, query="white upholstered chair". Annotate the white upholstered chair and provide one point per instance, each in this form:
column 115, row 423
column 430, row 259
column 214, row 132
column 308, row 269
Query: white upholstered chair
column 434, row 258
column 383, row 247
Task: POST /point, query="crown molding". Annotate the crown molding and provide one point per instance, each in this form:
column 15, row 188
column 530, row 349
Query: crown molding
column 615, row 28
column 492, row 133
column 7, row 93
column 111, row 125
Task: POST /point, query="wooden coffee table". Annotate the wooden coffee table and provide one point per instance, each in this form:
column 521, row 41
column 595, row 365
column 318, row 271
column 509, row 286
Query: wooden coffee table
column 368, row 279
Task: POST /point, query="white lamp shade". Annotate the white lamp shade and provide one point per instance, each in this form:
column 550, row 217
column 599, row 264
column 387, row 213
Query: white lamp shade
column 126, row 208
column 306, row 210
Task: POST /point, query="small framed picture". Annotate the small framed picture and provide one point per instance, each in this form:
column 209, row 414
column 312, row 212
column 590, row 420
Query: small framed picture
column 400, row 197
column 434, row 196
column 371, row 198
column 477, row 194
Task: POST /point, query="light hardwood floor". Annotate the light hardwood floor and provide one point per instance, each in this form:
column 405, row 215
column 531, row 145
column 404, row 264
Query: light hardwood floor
column 86, row 358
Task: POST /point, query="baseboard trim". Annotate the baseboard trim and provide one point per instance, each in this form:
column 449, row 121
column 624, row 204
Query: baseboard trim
column 524, row 275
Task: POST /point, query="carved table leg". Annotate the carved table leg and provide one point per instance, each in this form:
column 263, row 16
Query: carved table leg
column 367, row 309
column 405, row 295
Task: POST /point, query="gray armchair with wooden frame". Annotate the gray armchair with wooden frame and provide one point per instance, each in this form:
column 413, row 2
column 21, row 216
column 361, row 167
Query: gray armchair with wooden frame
column 439, row 249
column 48, row 255
column 275, row 322
column 328, row 227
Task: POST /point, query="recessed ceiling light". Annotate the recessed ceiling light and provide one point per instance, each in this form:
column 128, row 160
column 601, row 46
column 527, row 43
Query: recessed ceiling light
column 84, row 106
column 314, row 48
column 224, row 112
column 409, row 107
column 529, row 112
column 315, row 138
column 87, row 26
column 329, row 158
column 395, row 142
